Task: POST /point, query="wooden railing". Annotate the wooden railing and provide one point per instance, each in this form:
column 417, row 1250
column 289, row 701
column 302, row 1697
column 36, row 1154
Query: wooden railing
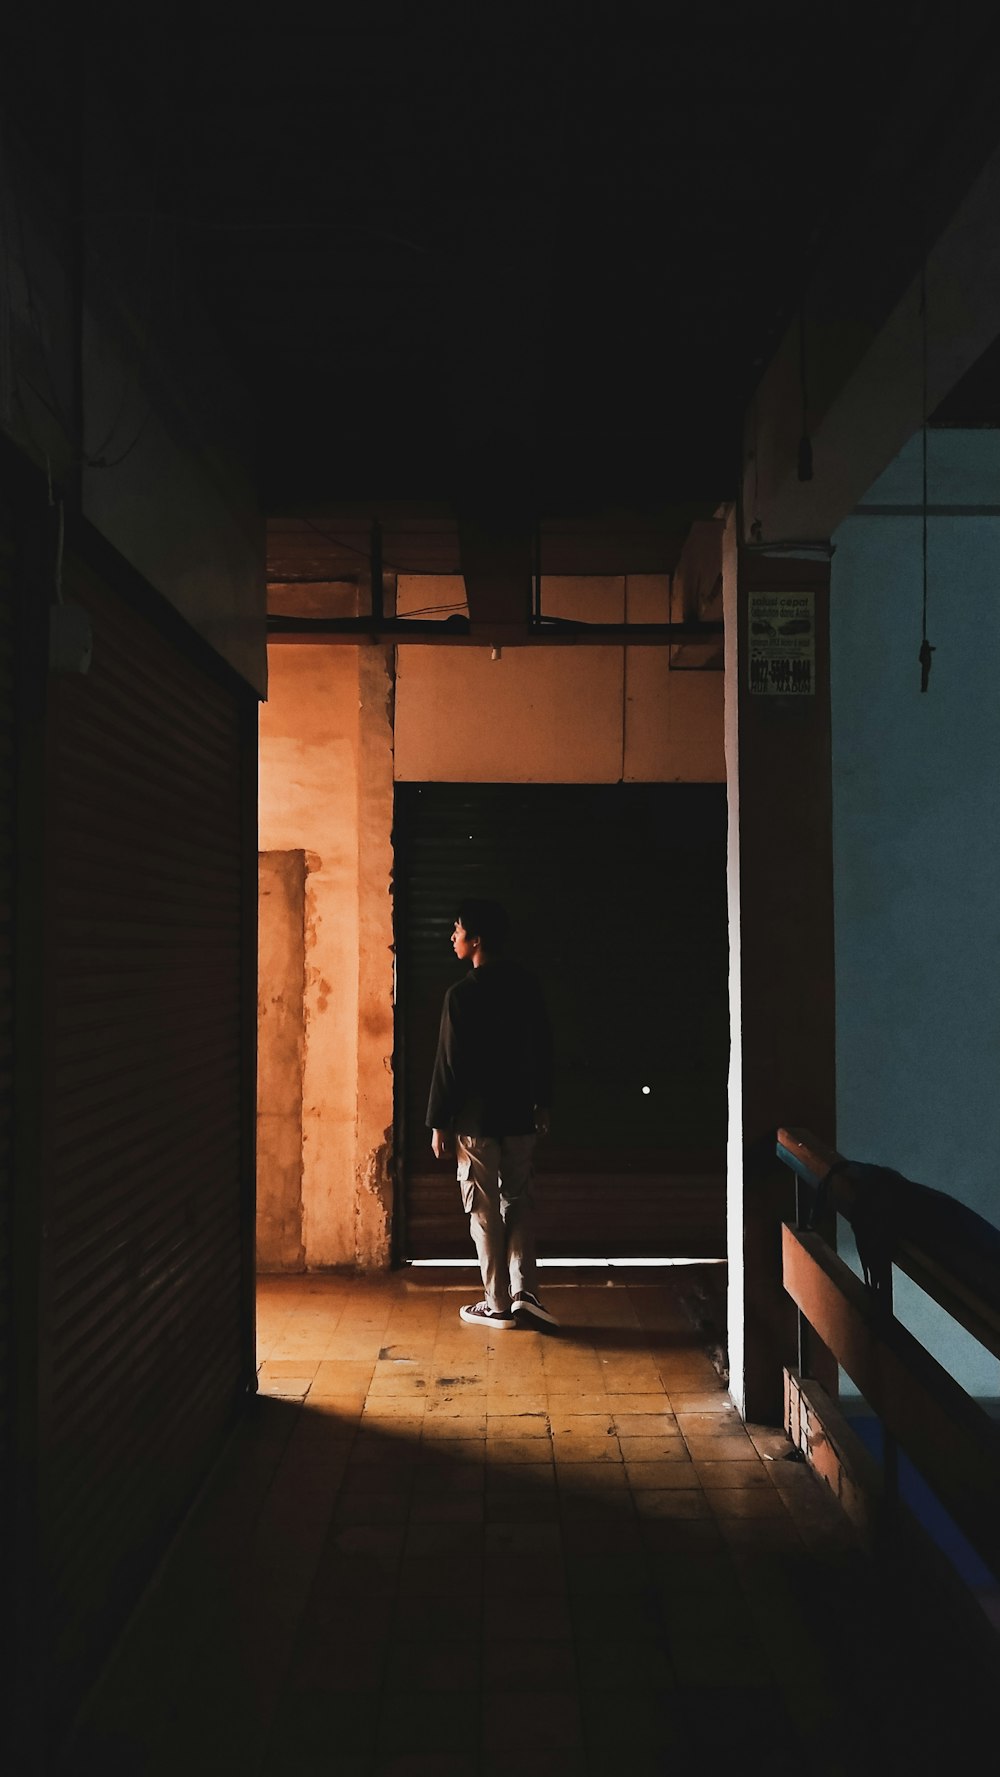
column 948, row 1437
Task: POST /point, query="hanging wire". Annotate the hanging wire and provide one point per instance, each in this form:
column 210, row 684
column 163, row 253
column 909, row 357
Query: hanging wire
column 60, row 543
column 670, row 618
column 56, row 505
column 926, row 650
column 6, row 344
column 755, row 525
column 624, row 684
column 805, row 462
column 459, row 605
column 351, row 548
column 435, row 610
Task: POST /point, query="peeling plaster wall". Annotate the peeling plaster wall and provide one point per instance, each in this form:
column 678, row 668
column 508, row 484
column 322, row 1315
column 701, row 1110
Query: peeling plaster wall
column 280, row 986
column 326, row 788
column 373, row 1149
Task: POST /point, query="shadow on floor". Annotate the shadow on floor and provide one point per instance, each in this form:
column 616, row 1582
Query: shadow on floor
column 435, row 1550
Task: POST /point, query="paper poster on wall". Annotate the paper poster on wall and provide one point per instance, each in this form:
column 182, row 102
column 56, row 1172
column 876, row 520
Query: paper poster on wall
column 782, row 644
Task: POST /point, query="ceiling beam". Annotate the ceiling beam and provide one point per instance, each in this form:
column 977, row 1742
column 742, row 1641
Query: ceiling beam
column 458, row 632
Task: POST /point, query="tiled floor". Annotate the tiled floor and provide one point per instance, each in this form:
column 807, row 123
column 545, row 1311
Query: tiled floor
column 434, row 1551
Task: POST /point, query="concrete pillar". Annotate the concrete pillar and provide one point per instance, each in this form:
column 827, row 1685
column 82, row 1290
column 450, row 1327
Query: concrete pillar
column 374, row 1169
column 280, row 1027
column 781, row 931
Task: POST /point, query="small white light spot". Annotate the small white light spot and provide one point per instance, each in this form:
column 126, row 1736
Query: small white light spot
column 645, row 1092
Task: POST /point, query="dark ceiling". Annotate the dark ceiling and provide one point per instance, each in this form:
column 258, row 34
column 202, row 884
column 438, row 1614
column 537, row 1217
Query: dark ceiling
column 538, row 252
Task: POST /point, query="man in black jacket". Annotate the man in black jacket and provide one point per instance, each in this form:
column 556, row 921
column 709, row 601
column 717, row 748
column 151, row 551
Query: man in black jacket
column 490, row 1091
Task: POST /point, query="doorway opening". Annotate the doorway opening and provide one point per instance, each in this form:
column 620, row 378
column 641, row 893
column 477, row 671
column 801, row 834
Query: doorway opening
column 617, row 898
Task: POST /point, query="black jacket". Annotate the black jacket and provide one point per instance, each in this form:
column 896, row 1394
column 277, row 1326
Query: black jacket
column 494, row 1054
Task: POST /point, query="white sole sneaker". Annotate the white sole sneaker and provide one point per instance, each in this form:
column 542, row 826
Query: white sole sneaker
column 530, row 1308
column 476, row 1314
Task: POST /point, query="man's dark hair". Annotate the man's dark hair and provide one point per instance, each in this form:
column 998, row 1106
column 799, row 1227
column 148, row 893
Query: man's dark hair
column 483, row 919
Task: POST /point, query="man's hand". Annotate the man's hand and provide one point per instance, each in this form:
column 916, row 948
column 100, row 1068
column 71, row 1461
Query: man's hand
column 541, row 1120
column 440, row 1143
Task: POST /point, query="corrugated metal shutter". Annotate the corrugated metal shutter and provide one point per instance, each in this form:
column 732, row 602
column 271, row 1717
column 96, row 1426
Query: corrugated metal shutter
column 144, row 1360
column 7, row 627
column 617, row 897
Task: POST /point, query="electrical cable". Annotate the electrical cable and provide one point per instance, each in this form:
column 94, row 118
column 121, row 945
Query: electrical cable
column 434, row 610
column 60, row 540
column 365, row 554
column 6, row 349
column 394, row 568
column 926, row 650
column 624, row 682
column 755, row 524
column 58, row 507
column 352, row 548
column 805, row 459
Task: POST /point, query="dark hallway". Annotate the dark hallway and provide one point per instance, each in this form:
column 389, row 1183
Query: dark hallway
column 585, row 406
column 560, row 1555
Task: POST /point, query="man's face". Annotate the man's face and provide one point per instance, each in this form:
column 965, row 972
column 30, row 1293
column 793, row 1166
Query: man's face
column 462, row 942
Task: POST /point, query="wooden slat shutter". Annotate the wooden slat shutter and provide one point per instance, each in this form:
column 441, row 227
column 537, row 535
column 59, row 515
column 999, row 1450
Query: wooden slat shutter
column 617, row 897
column 145, row 1157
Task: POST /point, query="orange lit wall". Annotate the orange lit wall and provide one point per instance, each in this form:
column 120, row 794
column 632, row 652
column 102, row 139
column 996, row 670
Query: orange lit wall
column 331, row 745
column 326, row 789
column 557, row 715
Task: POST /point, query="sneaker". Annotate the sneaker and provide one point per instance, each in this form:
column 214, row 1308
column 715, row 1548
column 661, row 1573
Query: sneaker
column 480, row 1314
column 529, row 1306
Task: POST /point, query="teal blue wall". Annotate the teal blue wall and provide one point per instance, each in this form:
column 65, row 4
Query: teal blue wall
column 917, row 845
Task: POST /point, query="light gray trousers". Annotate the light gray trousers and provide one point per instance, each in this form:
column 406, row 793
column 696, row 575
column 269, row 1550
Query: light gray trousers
column 495, row 1176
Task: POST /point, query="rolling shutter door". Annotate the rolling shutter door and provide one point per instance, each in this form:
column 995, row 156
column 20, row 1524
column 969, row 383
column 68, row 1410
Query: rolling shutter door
column 145, row 1156
column 617, row 896
column 7, row 607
